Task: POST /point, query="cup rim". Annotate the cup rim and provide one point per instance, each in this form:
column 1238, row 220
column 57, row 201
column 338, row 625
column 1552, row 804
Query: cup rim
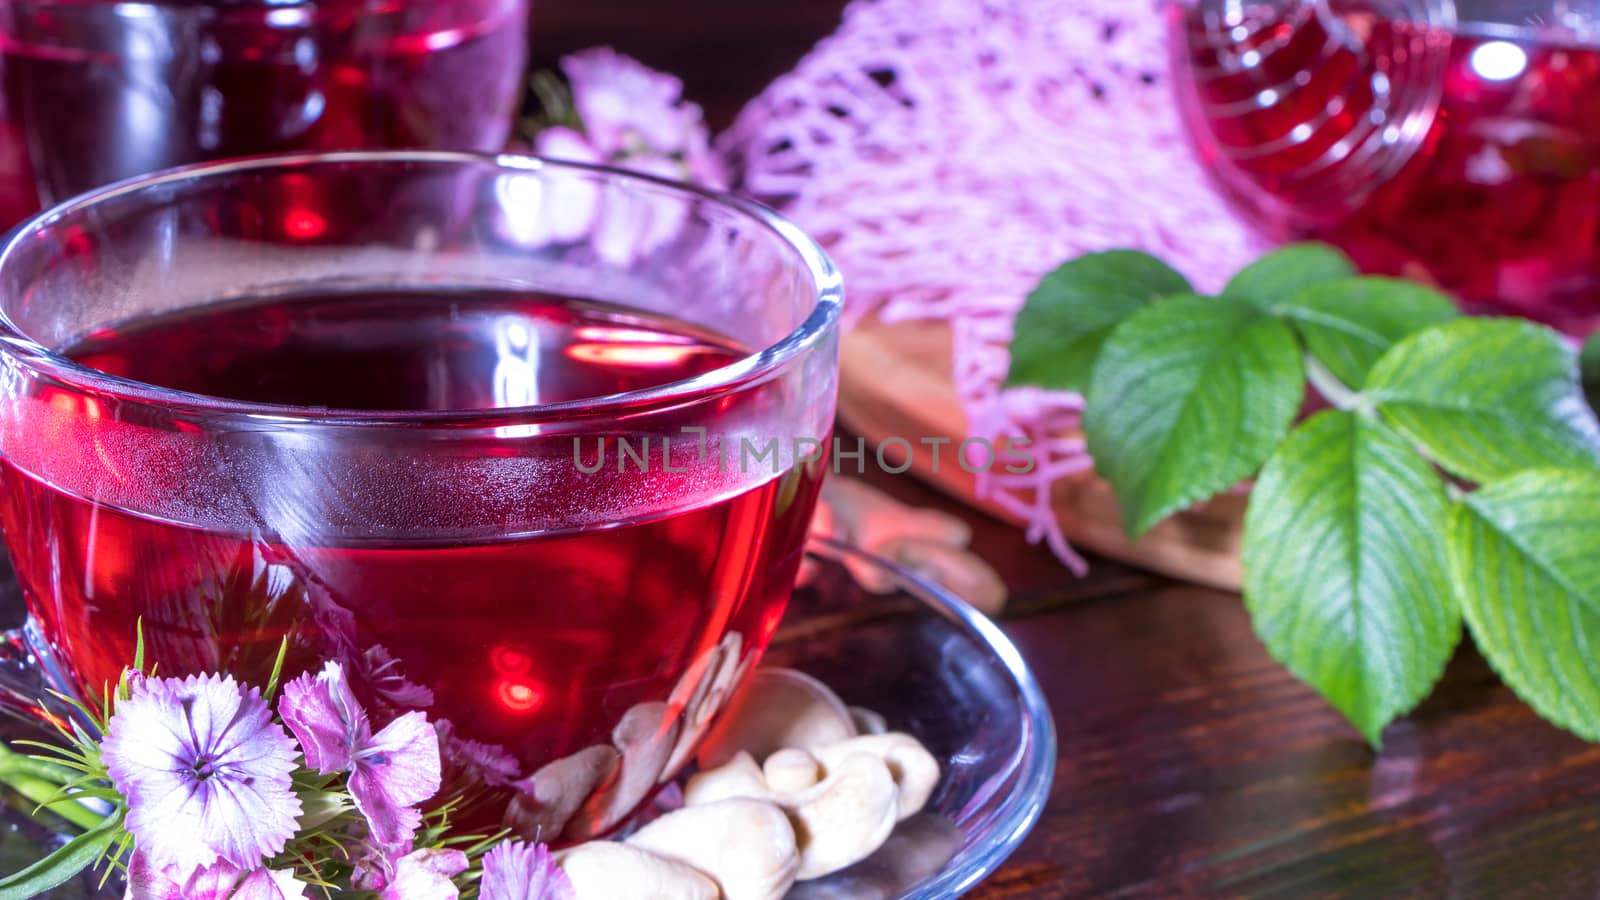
column 825, row 280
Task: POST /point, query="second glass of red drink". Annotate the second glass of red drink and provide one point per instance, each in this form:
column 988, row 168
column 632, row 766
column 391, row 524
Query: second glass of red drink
column 96, row 91
column 1456, row 141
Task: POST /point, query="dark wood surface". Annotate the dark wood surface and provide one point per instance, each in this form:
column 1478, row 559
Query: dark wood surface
column 1191, row 764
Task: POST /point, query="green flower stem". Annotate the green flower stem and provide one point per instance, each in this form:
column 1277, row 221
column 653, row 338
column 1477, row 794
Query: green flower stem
column 40, row 791
column 21, row 763
column 38, row 781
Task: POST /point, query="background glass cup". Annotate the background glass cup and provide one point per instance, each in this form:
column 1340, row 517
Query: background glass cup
column 471, row 562
column 98, row 91
column 1454, row 141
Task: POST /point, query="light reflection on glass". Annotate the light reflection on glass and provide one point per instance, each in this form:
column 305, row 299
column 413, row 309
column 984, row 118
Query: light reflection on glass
column 518, row 695
column 516, row 371
column 519, row 198
column 1499, row 60
column 612, row 346
column 632, row 355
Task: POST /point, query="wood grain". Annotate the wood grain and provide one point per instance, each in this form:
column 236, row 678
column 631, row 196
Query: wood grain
column 1192, row 765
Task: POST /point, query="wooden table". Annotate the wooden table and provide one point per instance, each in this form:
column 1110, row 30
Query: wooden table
column 1192, row 764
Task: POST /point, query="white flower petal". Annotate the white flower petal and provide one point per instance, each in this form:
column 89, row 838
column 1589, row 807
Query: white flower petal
column 205, row 771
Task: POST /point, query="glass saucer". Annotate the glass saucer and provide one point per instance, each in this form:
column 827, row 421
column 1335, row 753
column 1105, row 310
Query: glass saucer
column 927, row 662
column 937, row 669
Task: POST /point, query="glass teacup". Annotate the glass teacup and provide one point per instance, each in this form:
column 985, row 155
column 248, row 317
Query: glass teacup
column 530, row 446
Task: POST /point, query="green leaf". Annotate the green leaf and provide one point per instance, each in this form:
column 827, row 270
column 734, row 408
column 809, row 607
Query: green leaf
column 1060, row 329
column 277, row 669
column 1188, row 398
column 1281, row 274
column 1345, row 573
column 1523, row 558
column 54, row 870
column 1488, row 397
column 1348, row 323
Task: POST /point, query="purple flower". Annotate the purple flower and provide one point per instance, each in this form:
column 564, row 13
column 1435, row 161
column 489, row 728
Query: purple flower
column 222, row 881
column 561, row 142
column 382, row 672
column 630, row 227
column 634, row 117
column 470, row 763
column 623, row 102
column 325, row 717
column 390, row 772
column 270, row 884
column 206, row 773
column 425, row 875
column 703, row 164
column 629, row 116
column 515, row 870
column 563, row 208
column 374, row 865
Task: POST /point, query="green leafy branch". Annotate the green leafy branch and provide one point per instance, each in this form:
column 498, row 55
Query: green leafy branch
column 1454, row 473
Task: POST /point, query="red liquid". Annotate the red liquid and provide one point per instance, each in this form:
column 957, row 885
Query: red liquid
column 537, row 643
column 1498, row 198
column 93, row 95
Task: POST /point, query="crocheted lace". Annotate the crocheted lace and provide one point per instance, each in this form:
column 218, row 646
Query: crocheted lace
column 950, row 152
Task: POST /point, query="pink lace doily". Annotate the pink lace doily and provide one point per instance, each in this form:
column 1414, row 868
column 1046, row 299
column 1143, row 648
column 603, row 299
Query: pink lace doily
column 950, row 152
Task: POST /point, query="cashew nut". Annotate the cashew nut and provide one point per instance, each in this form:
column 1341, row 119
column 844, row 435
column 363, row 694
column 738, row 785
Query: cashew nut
column 845, row 818
column 867, row 721
column 838, row 821
column 956, row 569
column 777, row 708
column 746, row 846
column 546, row 800
column 919, row 847
column 821, row 524
column 607, row 870
column 826, row 797
column 822, row 520
column 915, row 771
column 869, row 518
column 927, row 541
column 738, row 777
column 791, row 770
column 645, row 737
column 702, row 692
